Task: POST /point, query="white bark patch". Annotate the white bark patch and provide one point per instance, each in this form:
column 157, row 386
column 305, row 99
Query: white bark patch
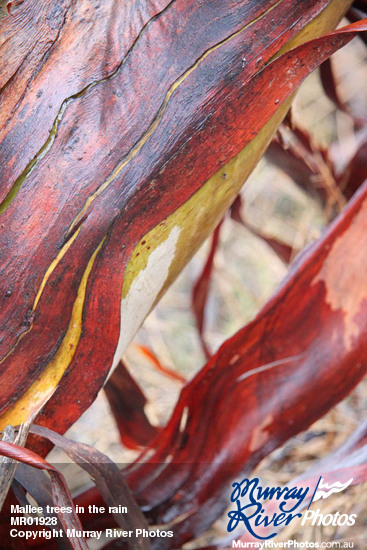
column 144, row 290
column 346, row 287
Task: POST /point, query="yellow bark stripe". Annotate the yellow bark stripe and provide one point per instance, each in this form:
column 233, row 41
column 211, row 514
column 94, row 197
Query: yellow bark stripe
column 198, row 217
column 41, row 390
column 133, row 152
column 47, row 275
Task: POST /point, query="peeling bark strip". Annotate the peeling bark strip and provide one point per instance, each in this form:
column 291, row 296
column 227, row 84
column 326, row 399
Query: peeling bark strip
column 109, row 481
column 60, row 492
column 103, row 104
column 268, row 382
column 302, row 354
column 127, row 401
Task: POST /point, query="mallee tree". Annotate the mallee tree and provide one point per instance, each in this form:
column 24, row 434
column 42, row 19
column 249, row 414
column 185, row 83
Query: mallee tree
column 126, row 132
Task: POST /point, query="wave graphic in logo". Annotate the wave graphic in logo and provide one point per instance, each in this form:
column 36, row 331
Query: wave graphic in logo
column 324, row 490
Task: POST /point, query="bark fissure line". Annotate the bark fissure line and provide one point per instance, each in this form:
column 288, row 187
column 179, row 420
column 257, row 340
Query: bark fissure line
column 51, row 42
column 47, row 275
column 160, row 113
column 60, row 114
column 44, row 58
column 71, row 233
column 40, row 390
